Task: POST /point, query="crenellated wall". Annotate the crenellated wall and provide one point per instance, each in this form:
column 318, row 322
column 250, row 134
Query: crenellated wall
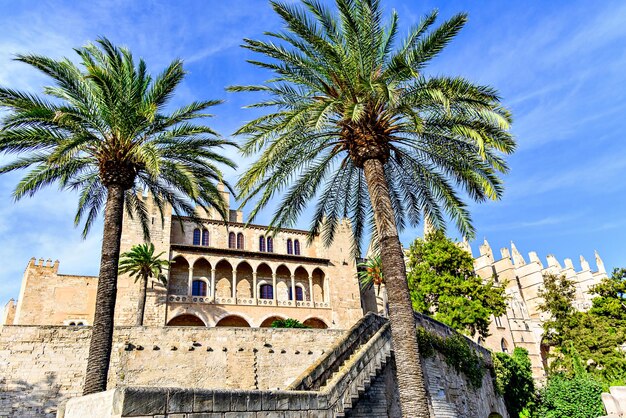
column 49, row 298
column 522, row 325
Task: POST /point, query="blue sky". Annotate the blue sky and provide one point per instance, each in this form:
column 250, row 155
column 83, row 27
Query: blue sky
column 560, row 66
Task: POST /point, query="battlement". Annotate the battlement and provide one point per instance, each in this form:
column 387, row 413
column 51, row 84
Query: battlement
column 33, row 263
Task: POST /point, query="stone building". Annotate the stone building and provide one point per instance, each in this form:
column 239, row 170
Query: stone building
column 206, row 349
column 522, row 325
column 222, row 274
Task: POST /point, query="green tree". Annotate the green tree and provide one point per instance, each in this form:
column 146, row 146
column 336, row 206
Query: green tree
column 596, row 336
column 102, row 130
column 557, row 295
column 443, row 284
column 610, row 301
column 141, row 263
column 370, row 273
column 353, row 122
column 514, row 381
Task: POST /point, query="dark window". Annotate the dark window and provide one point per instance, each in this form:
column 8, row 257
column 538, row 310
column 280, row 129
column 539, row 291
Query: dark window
column 289, row 247
column 240, row 241
column 267, row 291
column 232, row 240
column 296, row 247
column 504, row 345
column 205, row 237
column 196, row 236
column 262, row 243
column 198, row 288
column 299, row 295
column 270, row 245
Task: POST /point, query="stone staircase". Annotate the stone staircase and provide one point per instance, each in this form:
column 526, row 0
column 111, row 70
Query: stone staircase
column 346, row 374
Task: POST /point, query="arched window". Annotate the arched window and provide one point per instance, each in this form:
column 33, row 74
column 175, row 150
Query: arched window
column 205, row 237
column 296, row 247
column 196, row 236
column 504, row 345
column 262, row 243
column 299, row 294
column 270, row 245
column 198, row 288
column 289, row 246
column 240, row 241
column 232, row 240
column 266, row 291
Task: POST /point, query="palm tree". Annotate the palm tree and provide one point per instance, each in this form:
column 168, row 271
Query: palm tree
column 370, row 273
column 352, row 116
column 141, row 263
column 103, row 131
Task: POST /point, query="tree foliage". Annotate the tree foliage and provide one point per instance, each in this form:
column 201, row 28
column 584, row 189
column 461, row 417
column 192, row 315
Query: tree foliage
column 597, row 336
column 141, row 263
column 514, row 380
column 288, row 323
column 108, row 122
column 444, row 285
column 345, row 90
column 370, row 273
column 575, row 396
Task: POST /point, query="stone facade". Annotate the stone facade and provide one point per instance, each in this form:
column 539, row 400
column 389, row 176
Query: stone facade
column 42, row 366
column 522, row 325
column 222, row 273
column 354, row 378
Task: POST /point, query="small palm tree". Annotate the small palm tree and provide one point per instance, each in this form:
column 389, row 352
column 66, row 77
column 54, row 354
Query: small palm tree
column 370, row 273
column 103, row 131
column 354, row 122
column 141, row 263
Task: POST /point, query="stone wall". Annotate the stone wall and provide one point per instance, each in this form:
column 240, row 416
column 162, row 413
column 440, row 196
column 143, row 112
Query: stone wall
column 41, row 367
column 49, row 298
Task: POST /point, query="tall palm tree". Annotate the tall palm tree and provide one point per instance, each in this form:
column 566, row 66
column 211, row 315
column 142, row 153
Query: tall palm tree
column 352, row 116
column 103, row 131
column 141, row 263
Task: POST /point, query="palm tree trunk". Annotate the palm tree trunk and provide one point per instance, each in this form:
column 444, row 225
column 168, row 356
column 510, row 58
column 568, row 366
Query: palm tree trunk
column 413, row 395
column 102, row 330
column 142, row 300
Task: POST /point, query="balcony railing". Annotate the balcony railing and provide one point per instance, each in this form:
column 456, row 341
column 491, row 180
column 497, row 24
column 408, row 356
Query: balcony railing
column 246, row 301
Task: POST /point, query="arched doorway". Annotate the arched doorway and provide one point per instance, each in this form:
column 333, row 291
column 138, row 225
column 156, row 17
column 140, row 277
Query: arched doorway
column 232, row 321
column 315, row 323
column 186, row 320
column 223, row 279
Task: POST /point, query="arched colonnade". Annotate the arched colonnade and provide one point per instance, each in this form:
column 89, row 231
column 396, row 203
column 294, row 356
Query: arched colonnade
column 246, row 282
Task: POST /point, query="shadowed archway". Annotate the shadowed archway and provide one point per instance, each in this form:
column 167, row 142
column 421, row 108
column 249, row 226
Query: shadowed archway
column 233, row 321
column 186, row 320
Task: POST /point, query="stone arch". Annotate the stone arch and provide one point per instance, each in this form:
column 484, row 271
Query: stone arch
column 314, row 322
column 267, row 322
column 178, row 283
column 233, row 321
column 244, row 280
column 283, row 283
column 202, row 272
column 319, row 288
column 223, row 279
column 301, row 277
column 186, row 320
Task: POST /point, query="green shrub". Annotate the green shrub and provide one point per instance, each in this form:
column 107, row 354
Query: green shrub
column 514, row 381
column 457, row 353
column 288, row 323
column 573, row 397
